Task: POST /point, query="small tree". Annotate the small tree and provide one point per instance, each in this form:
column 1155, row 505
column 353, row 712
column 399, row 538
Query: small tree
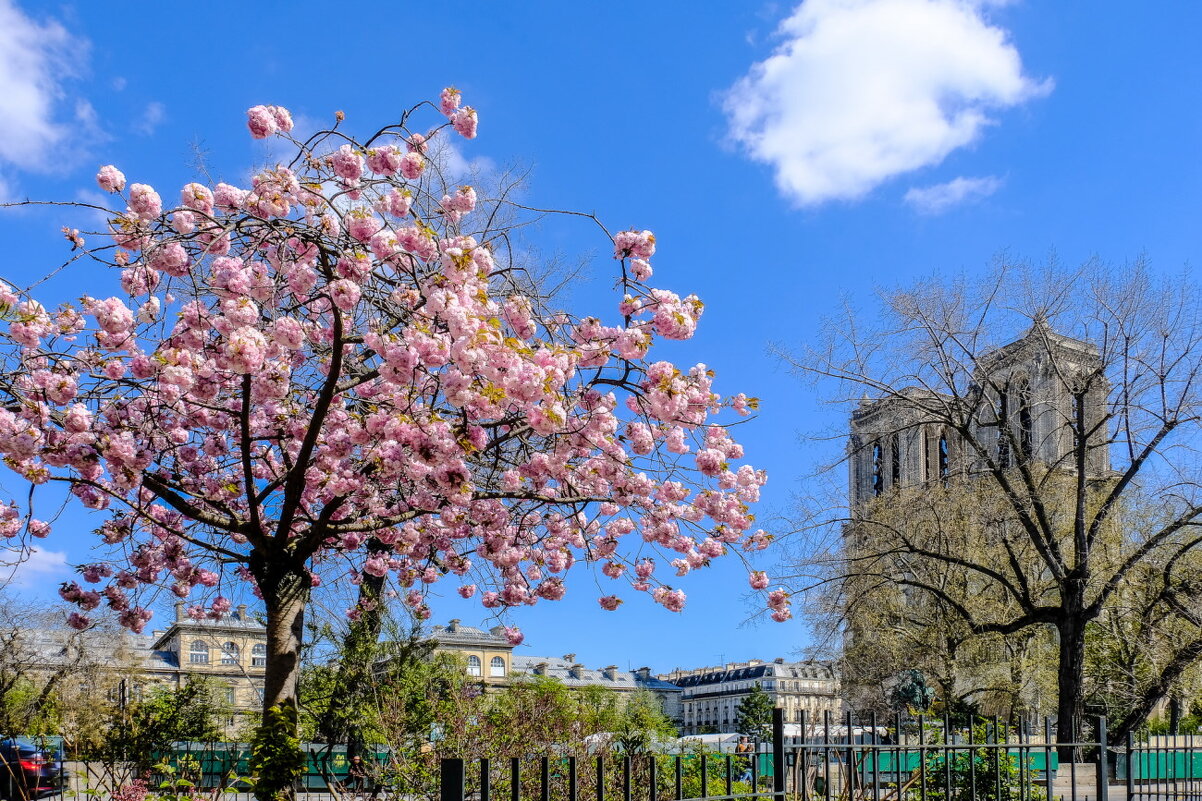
column 346, row 368
column 753, row 717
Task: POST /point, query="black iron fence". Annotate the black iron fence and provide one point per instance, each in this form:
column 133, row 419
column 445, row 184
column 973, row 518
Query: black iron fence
column 917, row 759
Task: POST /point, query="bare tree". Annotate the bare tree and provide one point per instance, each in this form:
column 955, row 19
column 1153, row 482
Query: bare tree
column 1023, row 458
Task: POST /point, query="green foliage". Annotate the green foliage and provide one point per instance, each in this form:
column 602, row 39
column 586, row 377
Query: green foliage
column 276, row 760
column 143, row 730
column 979, row 774
column 754, row 714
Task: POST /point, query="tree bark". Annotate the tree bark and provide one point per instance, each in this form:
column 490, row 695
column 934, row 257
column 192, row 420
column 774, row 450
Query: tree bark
column 1070, row 679
column 276, row 759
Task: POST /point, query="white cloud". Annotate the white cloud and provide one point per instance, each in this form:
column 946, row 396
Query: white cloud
column 41, row 567
column 34, row 58
column 150, row 119
column 863, row 90
column 941, row 197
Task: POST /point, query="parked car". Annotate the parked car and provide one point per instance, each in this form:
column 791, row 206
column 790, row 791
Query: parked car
column 28, row 771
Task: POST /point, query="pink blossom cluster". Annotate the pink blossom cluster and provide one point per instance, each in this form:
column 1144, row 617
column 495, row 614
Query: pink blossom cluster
column 339, row 354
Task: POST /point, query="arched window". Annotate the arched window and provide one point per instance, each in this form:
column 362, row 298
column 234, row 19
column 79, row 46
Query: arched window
column 943, row 458
column 199, row 654
column 1026, row 438
column 473, row 666
column 894, row 461
column 878, row 478
column 496, row 668
column 258, row 655
column 229, row 653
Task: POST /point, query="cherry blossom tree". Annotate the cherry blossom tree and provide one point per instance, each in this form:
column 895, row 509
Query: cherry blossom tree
column 342, row 371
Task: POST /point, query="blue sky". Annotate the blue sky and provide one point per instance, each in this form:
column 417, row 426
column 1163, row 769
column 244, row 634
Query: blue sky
column 787, row 156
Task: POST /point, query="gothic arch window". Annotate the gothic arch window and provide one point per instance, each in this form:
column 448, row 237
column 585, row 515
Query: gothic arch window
column 199, row 653
column 473, row 666
column 894, row 460
column 944, row 457
column 878, row 469
column 496, row 668
column 229, row 653
column 1026, row 437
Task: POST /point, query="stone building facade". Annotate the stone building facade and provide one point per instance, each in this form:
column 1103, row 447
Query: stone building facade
column 1020, row 403
column 488, row 656
column 710, row 696
column 122, row 667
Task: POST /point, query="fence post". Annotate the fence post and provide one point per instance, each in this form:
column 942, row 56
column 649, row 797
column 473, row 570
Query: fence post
column 1130, row 765
column 778, row 753
column 451, row 780
column 1103, row 761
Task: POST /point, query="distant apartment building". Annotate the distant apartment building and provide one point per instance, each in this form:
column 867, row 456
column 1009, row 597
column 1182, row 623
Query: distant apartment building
column 488, row 656
column 123, row 667
column 710, row 696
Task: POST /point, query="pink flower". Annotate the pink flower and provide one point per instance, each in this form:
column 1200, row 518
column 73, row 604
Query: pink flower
column 758, row 580
column 513, row 635
column 449, row 100
column 384, row 160
column 609, row 602
column 110, row 179
column 282, row 117
column 245, row 349
column 412, row 165
column 467, row 590
column 345, row 293
column 261, row 122
column 78, row 621
column 347, row 164
column 145, row 202
column 464, row 121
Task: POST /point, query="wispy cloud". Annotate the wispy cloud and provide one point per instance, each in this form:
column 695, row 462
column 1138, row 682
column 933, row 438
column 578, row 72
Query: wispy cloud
column 860, row 91
column 941, row 197
column 41, row 567
column 35, row 57
column 151, row 117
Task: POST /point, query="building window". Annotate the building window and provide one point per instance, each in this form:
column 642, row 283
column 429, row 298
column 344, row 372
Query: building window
column 473, row 666
column 1026, row 441
column 229, row 653
column 199, row 655
column 895, row 460
column 230, row 697
column 878, row 477
column 496, row 668
column 943, row 458
column 258, row 655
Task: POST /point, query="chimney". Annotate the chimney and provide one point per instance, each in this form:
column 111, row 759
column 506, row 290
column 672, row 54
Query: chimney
column 242, row 611
column 780, row 660
column 179, row 612
column 754, row 662
column 540, row 669
column 569, row 658
column 643, row 673
column 576, row 670
column 453, row 625
column 610, row 672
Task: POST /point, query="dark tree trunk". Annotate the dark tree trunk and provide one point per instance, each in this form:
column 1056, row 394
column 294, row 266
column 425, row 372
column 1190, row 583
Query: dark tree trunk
column 1070, row 681
column 276, row 759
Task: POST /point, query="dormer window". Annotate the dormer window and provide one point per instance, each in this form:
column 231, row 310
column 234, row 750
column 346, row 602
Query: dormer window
column 199, row 653
column 229, row 653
